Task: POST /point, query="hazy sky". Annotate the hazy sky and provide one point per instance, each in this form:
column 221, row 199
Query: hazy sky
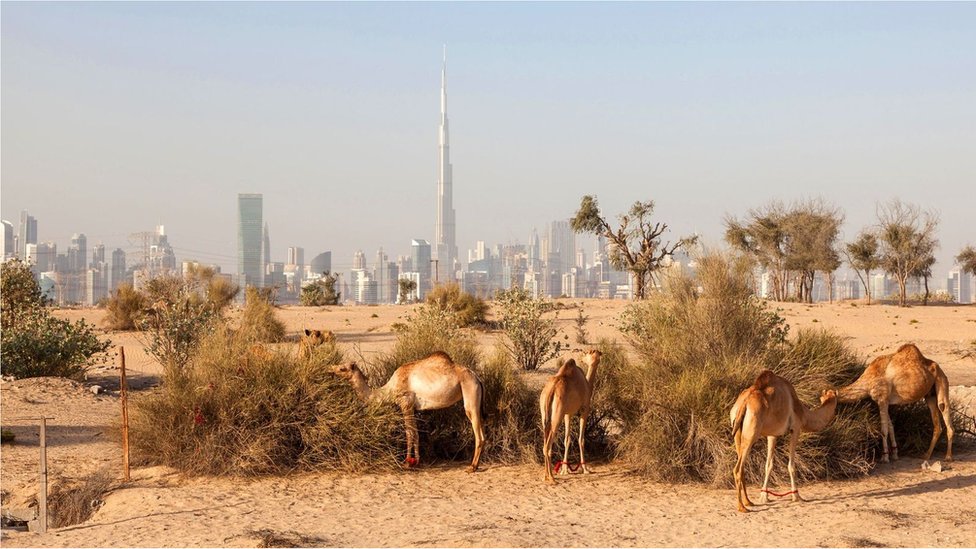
column 120, row 116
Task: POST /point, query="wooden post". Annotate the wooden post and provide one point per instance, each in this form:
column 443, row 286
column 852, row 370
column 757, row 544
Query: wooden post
column 123, row 397
column 42, row 496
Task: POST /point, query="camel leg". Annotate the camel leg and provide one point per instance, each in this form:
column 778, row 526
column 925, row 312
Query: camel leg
column 472, row 408
column 742, row 449
column 564, row 470
column 556, row 416
column 936, row 424
column 942, row 393
column 891, row 435
column 770, row 452
column 410, row 426
column 883, row 409
column 794, row 438
column 582, row 444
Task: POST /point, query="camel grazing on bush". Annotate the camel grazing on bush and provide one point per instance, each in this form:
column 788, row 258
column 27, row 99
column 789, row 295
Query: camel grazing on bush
column 770, row 408
column 430, row 383
column 904, row 377
column 312, row 339
column 565, row 394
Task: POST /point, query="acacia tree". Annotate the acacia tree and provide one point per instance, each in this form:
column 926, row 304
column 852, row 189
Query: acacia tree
column 406, row 287
column 907, row 236
column 792, row 244
column 925, row 273
column 862, row 256
column 322, row 292
column 967, row 260
column 635, row 245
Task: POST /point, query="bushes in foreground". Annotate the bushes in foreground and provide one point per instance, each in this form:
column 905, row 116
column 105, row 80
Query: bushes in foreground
column 239, row 409
column 698, row 346
column 469, row 310
column 34, row 343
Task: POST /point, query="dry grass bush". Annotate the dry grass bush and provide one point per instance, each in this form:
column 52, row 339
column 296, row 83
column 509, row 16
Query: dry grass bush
column 698, row 346
column 258, row 320
column 510, row 407
column 125, row 308
column 75, row 502
column 236, row 411
column 469, row 310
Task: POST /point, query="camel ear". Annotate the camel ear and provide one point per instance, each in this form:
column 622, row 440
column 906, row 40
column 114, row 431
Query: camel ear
column 307, row 332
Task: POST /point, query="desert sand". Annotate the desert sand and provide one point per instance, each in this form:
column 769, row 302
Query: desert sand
column 441, row 505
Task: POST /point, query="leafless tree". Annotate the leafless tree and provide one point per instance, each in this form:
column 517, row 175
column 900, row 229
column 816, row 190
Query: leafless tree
column 907, row 238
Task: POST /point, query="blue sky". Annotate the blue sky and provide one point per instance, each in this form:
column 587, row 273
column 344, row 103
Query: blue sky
column 119, row 116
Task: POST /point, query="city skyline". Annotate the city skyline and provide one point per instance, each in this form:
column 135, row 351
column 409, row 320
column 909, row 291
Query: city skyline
column 859, row 105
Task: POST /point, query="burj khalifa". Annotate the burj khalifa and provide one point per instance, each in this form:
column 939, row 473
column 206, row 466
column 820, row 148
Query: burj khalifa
column 445, row 243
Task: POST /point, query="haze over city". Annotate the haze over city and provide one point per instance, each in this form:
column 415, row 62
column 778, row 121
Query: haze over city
column 121, row 117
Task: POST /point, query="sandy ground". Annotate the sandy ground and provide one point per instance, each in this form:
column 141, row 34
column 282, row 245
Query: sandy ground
column 896, row 505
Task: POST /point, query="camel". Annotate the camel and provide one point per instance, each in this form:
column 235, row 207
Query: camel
column 565, row 394
column 430, row 383
column 770, row 408
column 312, row 339
column 904, row 377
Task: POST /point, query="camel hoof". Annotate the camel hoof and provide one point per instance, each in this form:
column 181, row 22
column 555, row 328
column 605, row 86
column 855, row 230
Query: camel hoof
column 763, row 499
column 472, row 469
column 884, row 459
column 550, row 481
column 948, row 459
column 742, row 509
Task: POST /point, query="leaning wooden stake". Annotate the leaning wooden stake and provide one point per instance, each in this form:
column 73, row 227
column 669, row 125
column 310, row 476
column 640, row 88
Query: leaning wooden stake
column 125, row 417
column 42, row 496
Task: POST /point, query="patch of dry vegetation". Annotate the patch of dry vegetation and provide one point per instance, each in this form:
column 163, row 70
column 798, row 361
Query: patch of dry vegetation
column 74, row 502
column 698, row 346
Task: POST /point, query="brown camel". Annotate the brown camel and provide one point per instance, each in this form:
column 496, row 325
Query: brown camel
column 565, row 394
column 903, row 377
column 770, row 408
column 430, row 383
column 312, row 339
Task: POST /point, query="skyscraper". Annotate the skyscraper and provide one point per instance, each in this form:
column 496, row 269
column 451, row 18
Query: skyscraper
column 118, row 268
column 250, row 270
column 266, row 249
column 28, row 233
column 8, row 239
column 445, row 244
column 421, row 264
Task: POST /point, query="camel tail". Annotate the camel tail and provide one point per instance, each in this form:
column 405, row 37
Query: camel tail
column 547, row 408
column 740, row 415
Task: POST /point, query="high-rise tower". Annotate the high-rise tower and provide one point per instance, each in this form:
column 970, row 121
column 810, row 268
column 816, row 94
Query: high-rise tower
column 250, row 271
column 445, row 244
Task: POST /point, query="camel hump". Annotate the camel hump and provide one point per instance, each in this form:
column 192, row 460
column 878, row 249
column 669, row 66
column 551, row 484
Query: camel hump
column 765, row 379
column 909, row 349
column 441, row 355
column 567, row 368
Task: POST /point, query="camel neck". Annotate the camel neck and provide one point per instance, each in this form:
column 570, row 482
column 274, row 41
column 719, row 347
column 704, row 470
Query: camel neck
column 819, row 418
column 591, row 372
column 361, row 385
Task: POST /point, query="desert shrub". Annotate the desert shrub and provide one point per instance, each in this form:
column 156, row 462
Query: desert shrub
column 125, row 308
column 700, row 344
column 177, row 320
column 258, row 319
column 530, row 336
column 427, row 330
column 32, row 342
column 322, row 292
column 74, row 502
column 580, row 325
column 234, row 410
column 469, row 310
column 219, row 291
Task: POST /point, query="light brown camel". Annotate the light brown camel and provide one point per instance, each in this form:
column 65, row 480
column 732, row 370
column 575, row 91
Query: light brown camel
column 312, row 339
column 430, row 383
column 565, row 394
column 770, row 408
column 903, row 377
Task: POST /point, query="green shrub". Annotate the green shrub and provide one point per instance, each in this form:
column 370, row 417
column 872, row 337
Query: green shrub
column 125, row 308
column 698, row 346
column 258, row 319
column 530, row 336
column 322, row 292
column 32, row 342
column 469, row 310
column 238, row 410
column 177, row 320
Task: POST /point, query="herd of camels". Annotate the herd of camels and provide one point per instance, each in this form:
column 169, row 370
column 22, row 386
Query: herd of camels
column 769, row 408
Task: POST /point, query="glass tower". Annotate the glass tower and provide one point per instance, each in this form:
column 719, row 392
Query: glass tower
column 250, row 270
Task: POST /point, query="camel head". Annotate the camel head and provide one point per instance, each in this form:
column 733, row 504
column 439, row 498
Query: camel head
column 827, row 395
column 346, row 371
column 592, row 357
column 314, row 338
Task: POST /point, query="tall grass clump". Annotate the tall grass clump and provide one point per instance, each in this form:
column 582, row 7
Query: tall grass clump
column 469, row 310
column 259, row 319
column 698, row 345
column 125, row 308
column 233, row 410
column 509, row 408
